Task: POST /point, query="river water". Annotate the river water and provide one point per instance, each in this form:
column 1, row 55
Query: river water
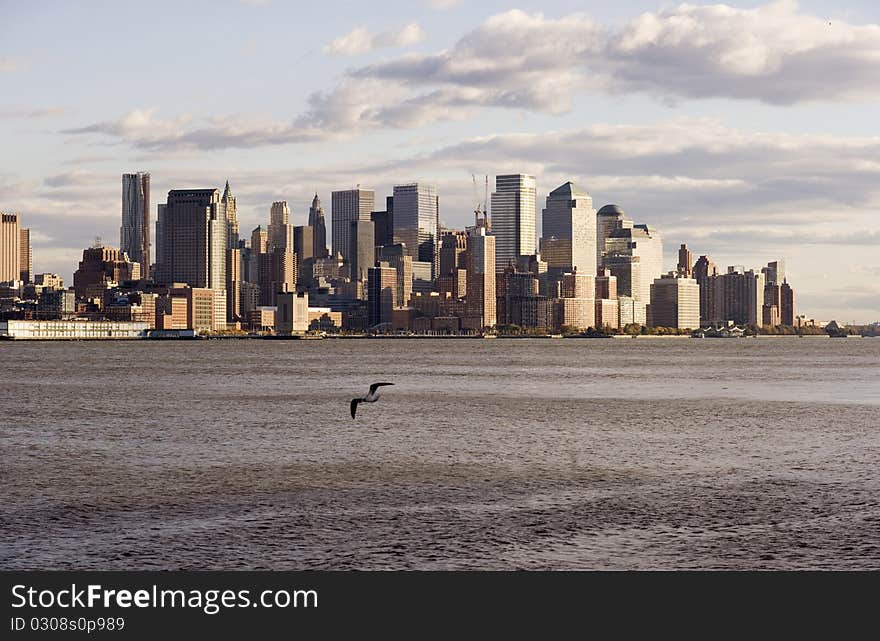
column 504, row 454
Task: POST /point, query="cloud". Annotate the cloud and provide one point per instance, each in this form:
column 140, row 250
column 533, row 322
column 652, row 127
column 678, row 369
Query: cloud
column 32, row 112
column 361, row 40
column 774, row 54
column 443, row 4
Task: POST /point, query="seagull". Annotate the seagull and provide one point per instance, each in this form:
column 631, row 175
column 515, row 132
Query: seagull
column 371, row 397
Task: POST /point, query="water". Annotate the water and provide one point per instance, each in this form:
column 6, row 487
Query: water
column 561, row 454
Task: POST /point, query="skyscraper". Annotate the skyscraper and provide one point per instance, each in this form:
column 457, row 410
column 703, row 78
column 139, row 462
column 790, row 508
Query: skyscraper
column 348, row 206
column 397, row 257
column 280, row 229
column 640, row 242
column 513, row 218
column 10, row 247
column 381, row 293
column 608, row 218
column 704, row 272
column 384, row 223
column 774, row 272
column 319, row 234
column 194, row 239
column 26, row 257
column 480, row 265
column 569, row 217
column 134, row 235
column 739, row 296
column 229, row 205
column 685, row 262
column 362, row 254
column 415, row 222
column 787, row 311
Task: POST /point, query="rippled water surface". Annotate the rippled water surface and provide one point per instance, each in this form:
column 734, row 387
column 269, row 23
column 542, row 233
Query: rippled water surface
column 568, row 454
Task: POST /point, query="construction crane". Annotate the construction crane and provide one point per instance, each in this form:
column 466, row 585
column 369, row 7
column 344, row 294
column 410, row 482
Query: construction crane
column 481, row 212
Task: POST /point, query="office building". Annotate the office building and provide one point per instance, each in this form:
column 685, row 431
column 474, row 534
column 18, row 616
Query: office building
column 229, row 207
column 704, row 273
column 513, row 218
column 685, row 262
column 739, row 297
column 787, row 312
column 134, row 234
column 675, row 302
column 646, row 244
column 481, row 279
column 381, row 294
column 194, row 229
column 349, row 206
column 570, row 218
column 397, row 257
column 26, row 257
column 319, row 227
column 102, row 268
column 10, row 248
column 416, row 222
column 362, row 254
column 608, row 218
column 606, row 284
column 280, row 232
column 383, row 222
column 292, row 314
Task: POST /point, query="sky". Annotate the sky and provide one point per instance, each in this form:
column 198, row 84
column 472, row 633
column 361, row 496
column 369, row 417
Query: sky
column 747, row 130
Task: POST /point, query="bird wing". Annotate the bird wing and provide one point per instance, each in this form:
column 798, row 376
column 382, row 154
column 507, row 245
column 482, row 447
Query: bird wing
column 354, row 406
column 375, row 386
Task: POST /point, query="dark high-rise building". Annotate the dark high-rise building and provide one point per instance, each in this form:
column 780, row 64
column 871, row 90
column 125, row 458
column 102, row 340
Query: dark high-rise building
column 787, row 311
column 134, row 234
column 26, row 257
column 384, row 223
column 303, row 243
column 453, row 245
column 704, row 272
column 685, row 260
column 381, row 293
column 348, row 206
column 316, row 222
column 362, row 254
column 194, row 229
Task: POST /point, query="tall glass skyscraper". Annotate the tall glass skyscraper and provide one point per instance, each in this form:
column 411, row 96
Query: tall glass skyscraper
column 134, row 234
column 570, row 218
column 513, row 218
column 416, row 222
column 348, row 206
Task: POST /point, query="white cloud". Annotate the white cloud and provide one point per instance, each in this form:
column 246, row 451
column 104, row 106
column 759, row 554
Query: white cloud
column 32, row 112
column 443, row 4
column 516, row 60
column 361, row 40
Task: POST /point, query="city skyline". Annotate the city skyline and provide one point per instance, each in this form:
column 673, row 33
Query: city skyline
column 764, row 152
